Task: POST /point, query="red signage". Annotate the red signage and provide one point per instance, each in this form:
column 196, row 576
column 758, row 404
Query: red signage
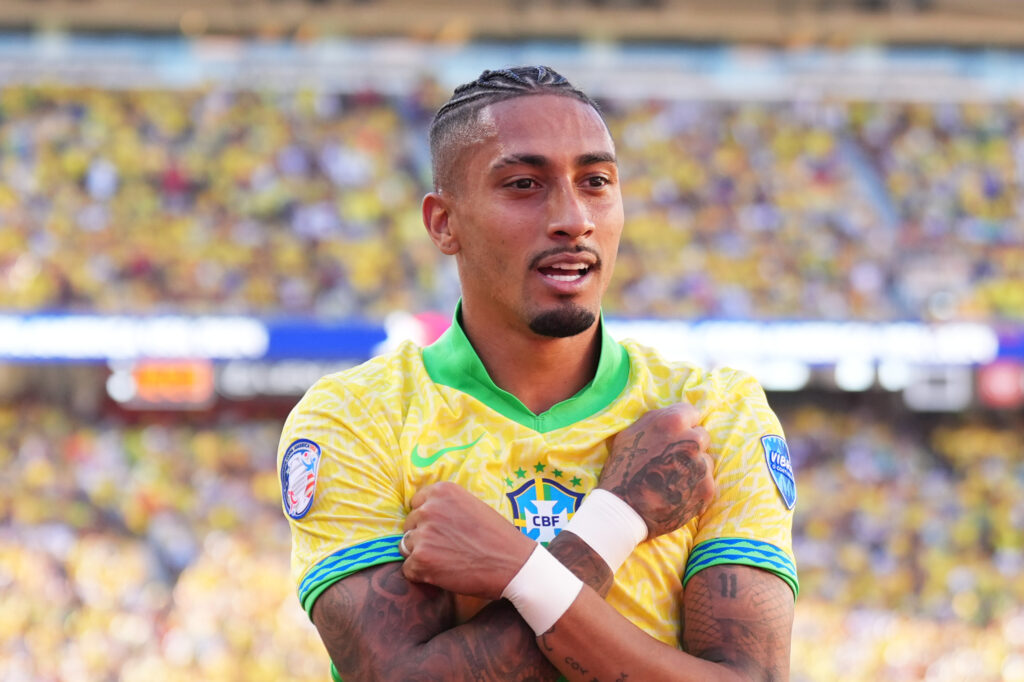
column 1001, row 385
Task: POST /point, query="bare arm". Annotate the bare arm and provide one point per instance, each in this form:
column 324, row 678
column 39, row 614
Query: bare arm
column 737, row 619
column 742, row 618
column 737, row 622
column 377, row 624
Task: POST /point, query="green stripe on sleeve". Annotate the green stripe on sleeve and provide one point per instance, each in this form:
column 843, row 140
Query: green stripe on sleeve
column 744, row 552
column 344, row 563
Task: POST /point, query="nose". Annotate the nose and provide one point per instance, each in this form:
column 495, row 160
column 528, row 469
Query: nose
column 568, row 215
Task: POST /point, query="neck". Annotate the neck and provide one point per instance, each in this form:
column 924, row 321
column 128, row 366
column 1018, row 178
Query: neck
column 540, row 371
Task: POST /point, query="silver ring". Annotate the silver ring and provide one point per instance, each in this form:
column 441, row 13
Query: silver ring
column 402, row 548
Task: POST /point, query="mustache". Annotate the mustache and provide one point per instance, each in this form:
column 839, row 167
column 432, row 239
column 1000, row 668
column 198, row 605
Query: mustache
column 559, row 250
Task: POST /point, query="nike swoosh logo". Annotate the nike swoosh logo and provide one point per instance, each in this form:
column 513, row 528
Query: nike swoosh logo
column 419, row 461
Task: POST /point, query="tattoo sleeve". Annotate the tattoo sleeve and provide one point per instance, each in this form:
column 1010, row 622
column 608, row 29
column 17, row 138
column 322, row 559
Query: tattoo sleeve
column 742, row 617
column 583, row 561
column 376, row 624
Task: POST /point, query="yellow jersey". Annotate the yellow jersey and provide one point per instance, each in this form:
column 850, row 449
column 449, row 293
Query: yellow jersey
column 361, row 442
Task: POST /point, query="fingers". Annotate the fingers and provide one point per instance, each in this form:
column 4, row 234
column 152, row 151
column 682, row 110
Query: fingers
column 660, row 466
column 705, row 487
column 686, row 414
column 675, row 418
column 682, row 419
column 423, row 496
column 433, row 506
column 439, row 489
column 403, row 545
column 698, row 434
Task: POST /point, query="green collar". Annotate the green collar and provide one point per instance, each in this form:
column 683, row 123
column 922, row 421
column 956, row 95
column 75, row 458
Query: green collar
column 451, row 361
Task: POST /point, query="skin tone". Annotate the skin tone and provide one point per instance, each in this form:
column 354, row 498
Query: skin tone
column 737, row 619
column 388, row 622
column 534, row 221
column 538, row 198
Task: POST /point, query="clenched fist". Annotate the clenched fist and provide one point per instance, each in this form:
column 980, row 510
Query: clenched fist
column 660, row 467
column 458, row 543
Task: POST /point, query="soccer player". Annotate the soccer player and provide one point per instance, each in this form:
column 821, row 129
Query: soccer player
column 634, row 513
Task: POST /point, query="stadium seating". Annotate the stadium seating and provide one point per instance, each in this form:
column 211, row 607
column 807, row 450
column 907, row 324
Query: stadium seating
column 153, row 547
column 162, row 551
column 306, row 203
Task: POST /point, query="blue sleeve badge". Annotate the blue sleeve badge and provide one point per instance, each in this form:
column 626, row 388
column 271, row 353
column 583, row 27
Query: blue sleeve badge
column 299, row 467
column 776, row 454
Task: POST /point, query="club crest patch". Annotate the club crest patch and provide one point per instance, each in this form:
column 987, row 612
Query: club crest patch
column 541, row 507
column 299, row 467
column 776, row 454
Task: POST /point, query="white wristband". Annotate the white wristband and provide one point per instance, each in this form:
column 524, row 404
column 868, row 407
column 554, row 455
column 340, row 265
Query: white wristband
column 542, row 590
column 611, row 527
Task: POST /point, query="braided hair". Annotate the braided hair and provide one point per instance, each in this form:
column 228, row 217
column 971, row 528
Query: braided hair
column 453, row 123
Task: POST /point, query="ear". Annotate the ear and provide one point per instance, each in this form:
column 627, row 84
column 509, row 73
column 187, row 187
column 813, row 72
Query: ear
column 437, row 220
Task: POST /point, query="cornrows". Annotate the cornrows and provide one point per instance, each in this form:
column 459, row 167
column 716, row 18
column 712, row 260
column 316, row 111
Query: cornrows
column 495, row 86
column 452, row 121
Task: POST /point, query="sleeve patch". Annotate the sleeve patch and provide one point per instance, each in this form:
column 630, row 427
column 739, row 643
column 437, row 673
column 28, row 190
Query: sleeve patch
column 299, row 468
column 776, row 455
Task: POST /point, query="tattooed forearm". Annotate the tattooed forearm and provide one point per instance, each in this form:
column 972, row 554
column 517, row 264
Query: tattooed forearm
column 359, row 618
column 377, row 625
column 742, row 617
column 583, row 561
column 503, row 648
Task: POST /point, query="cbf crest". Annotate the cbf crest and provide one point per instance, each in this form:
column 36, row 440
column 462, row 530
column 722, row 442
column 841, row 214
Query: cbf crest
column 541, row 507
column 776, row 454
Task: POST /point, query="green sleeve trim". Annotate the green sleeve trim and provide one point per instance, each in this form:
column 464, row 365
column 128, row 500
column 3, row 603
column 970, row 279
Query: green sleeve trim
column 344, row 563
column 743, row 552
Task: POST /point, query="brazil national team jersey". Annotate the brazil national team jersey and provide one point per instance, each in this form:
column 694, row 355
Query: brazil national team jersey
column 360, row 443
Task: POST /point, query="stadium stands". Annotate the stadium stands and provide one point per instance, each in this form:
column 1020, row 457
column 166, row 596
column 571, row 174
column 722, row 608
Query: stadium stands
column 306, row 203
column 151, row 546
column 157, row 550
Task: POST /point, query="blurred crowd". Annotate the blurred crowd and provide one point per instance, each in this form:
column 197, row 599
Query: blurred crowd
column 156, row 550
column 308, row 203
column 145, row 552
column 909, row 538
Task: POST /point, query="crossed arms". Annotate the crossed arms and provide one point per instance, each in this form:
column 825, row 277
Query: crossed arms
column 398, row 621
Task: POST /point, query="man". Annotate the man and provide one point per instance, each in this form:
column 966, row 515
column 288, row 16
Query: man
column 663, row 493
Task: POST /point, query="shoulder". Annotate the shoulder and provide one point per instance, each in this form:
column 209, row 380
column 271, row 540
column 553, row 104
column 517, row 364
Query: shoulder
column 369, row 399
column 381, row 378
column 686, row 377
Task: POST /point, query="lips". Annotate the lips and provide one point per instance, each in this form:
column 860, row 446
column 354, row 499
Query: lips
column 565, row 272
column 565, row 268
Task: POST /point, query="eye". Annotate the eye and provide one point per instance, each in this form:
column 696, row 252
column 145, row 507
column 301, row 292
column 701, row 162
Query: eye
column 522, row 183
column 597, row 181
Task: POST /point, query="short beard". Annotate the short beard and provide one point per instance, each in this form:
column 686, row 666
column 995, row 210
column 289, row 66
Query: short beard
column 568, row 320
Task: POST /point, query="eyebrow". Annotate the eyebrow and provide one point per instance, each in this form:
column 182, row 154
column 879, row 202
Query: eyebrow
column 539, row 160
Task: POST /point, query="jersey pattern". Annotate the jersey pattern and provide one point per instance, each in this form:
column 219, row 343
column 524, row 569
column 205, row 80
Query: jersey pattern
column 417, row 416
